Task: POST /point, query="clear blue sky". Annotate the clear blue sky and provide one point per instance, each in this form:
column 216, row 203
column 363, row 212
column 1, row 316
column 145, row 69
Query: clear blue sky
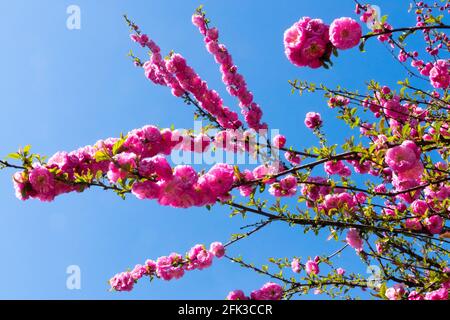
column 61, row 89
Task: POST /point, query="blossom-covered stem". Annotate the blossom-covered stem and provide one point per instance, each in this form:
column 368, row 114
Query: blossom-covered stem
column 352, row 97
column 234, row 81
column 428, row 41
column 6, row 164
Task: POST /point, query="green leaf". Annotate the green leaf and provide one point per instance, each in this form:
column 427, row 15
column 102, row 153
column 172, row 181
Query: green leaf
column 26, row 149
column 14, row 156
column 116, row 147
column 101, row 155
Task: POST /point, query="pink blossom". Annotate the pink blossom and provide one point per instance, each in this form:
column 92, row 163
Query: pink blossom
column 186, row 175
column 157, row 165
column 270, row 291
column 312, row 267
column 292, row 157
column 21, row 184
column 439, row 74
column 296, row 266
column 43, row 183
column 345, row 33
column 312, row 50
column 354, row 239
column 403, row 157
column 440, row 294
column 419, row 207
column 414, row 295
column 237, row 295
column 199, row 258
column 337, row 167
column 340, row 271
column 434, row 224
column 313, row 120
column 279, row 141
column 287, row 187
column 220, row 178
column 217, row 249
column 396, row 292
column 394, row 110
column 122, row 282
column 170, row 267
column 307, row 43
column 379, row 247
column 151, row 266
column 123, row 163
column 138, row 272
column 146, row 190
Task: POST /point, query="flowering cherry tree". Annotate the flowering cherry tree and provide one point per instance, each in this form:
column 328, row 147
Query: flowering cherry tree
column 384, row 190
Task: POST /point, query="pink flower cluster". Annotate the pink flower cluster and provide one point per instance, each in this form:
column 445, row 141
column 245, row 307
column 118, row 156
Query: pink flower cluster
column 287, row 187
column 292, row 157
column 337, row 167
column 45, row 182
column 314, row 189
column 181, row 78
column 209, row 99
column 340, row 200
column 433, row 223
column 309, row 42
column 398, row 292
column 439, row 74
column 404, row 160
column 185, row 188
column 311, row 266
column 140, row 157
column 269, row 291
column 155, row 69
column 233, row 80
column 169, row 267
column 338, row 101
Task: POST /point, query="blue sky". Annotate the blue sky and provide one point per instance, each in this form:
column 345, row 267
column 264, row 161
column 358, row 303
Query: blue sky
column 61, row 89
